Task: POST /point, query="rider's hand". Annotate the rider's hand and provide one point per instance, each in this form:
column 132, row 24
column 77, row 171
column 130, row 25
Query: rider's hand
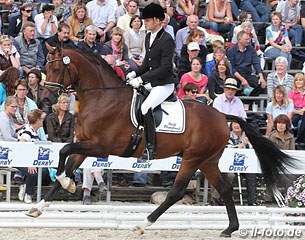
column 135, row 82
column 131, row 75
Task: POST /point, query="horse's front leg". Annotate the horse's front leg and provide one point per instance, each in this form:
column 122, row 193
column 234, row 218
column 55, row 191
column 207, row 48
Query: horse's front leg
column 175, row 194
column 85, row 148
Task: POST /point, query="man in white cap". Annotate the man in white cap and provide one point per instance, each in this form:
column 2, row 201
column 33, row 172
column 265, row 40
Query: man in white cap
column 184, row 65
column 156, row 72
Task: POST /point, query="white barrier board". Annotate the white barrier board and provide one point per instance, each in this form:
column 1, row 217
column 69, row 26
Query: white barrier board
column 17, row 154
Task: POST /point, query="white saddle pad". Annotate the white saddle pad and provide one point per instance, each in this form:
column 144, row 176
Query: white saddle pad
column 172, row 122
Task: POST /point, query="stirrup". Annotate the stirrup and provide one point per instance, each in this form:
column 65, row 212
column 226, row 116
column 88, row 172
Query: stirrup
column 148, row 153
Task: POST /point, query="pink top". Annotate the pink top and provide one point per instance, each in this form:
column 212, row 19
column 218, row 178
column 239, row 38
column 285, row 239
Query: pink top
column 297, row 98
column 186, row 78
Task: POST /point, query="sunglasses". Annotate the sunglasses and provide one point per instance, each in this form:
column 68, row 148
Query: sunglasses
column 194, row 92
column 28, row 11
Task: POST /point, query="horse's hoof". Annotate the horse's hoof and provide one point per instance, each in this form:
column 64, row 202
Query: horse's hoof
column 33, row 212
column 71, row 188
column 138, row 230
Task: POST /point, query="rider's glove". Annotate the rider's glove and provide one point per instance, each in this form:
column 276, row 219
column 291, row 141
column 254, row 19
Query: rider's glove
column 135, row 82
column 131, row 75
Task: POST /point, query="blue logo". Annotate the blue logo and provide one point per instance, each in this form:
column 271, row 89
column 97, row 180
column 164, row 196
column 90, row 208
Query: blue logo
column 239, row 159
column 4, row 153
column 44, row 153
column 178, row 163
column 101, row 162
column 102, row 159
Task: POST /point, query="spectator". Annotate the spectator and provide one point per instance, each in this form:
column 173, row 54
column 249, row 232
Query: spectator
column 90, row 42
column 219, row 17
column 16, row 22
column 135, row 40
column 217, row 78
column 7, row 82
column 277, row 40
column 298, row 99
column 59, row 8
column 185, row 62
column 281, row 136
column 279, row 77
column 116, row 46
column 78, row 23
column 61, row 37
column 229, row 104
column 122, row 9
column 247, row 27
column 215, row 44
column 238, row 139
column 290, row 11
column 41, row 95
column 168, row 28
column 46, row 23
column 242, row 58
column 279, row 105
column 61, row 123
column 110, row 59
column 102, row 14
column 190, row 91
column 123, row 22
column 7, row 129
column 29, row 48
column 243, row 16
column 30, row 134
column 196, row 35
column 219, row 53
column 258, row 10
column 187, row 7
column 9, row 56
column 194, row 76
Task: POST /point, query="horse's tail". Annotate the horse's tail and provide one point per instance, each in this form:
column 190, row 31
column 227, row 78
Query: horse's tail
column 271, row 158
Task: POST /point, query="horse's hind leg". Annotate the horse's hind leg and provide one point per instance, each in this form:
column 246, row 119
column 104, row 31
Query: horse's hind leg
column 177, row 192
column 225, row 189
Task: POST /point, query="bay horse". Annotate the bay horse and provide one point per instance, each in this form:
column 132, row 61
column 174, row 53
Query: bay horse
column 104, row 128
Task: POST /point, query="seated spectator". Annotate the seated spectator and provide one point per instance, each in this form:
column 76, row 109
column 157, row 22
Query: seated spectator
column 190, row 90
column 135, row 40
column 243, row 16
column 290, row 11
column 297, row 96
column 61, row 123
column 122, row 9
column 123, row 22
column 90, row 42
column 30, row 134
column 7, row 82
column 41, row 95
column 196, row 35
column 215, row 44
column 238, row 139
column 219, row 17
column 16, row 22
column 258, row 10
column 279, row 77
column 78, row 23
column 168, row 28
column 9, row 56
column 29, row 48
column 46, row 23
column 217, row 78
column 194, row 76
column 185, row 62
column 243, row 58
column 278, row 105
column 281, row 135
column 110, row 59
column 247, row 27
column 116, row 46
column 277, row 40
column 7, row 129
column 88, row 177
column 187, row 7
column 218, row 54
column 59, row 8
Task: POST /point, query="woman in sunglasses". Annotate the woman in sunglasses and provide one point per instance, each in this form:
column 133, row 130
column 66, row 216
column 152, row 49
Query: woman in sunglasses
column 194, row 76
column 17, row 21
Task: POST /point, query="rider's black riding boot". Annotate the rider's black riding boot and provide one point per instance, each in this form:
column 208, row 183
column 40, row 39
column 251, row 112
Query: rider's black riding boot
column 150, row 137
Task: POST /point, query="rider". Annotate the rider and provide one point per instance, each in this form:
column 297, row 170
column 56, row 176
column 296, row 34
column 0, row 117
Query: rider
column 156, row 72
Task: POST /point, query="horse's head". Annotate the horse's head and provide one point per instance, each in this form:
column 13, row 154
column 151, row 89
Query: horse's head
column 59, row 66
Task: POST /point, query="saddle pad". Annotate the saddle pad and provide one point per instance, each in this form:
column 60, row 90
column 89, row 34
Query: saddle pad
column 173, row 117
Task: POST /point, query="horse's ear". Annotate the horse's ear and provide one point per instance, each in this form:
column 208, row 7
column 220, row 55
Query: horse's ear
column 50, row 49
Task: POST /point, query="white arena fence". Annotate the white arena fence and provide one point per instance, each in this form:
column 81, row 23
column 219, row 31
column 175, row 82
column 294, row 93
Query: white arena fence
column 127, row 216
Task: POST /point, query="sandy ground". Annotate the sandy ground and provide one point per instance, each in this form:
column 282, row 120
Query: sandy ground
column 78, row 234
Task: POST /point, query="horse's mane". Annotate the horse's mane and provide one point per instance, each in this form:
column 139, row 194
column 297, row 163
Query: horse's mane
column 97, row 59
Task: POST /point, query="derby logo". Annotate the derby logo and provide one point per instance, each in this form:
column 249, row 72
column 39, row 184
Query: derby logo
column 43, row 157
column 177, row 164
column 238, row 163
column 101, row 162
column 4, row 152
column 140, row 164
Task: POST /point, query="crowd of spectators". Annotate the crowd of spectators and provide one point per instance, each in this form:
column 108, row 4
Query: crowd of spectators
column 115, row 31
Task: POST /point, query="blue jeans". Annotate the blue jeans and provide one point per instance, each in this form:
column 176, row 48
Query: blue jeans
column 275, row 52
column 259, row 11
column 296, row 34
column 235, row 10
column 220, row 27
